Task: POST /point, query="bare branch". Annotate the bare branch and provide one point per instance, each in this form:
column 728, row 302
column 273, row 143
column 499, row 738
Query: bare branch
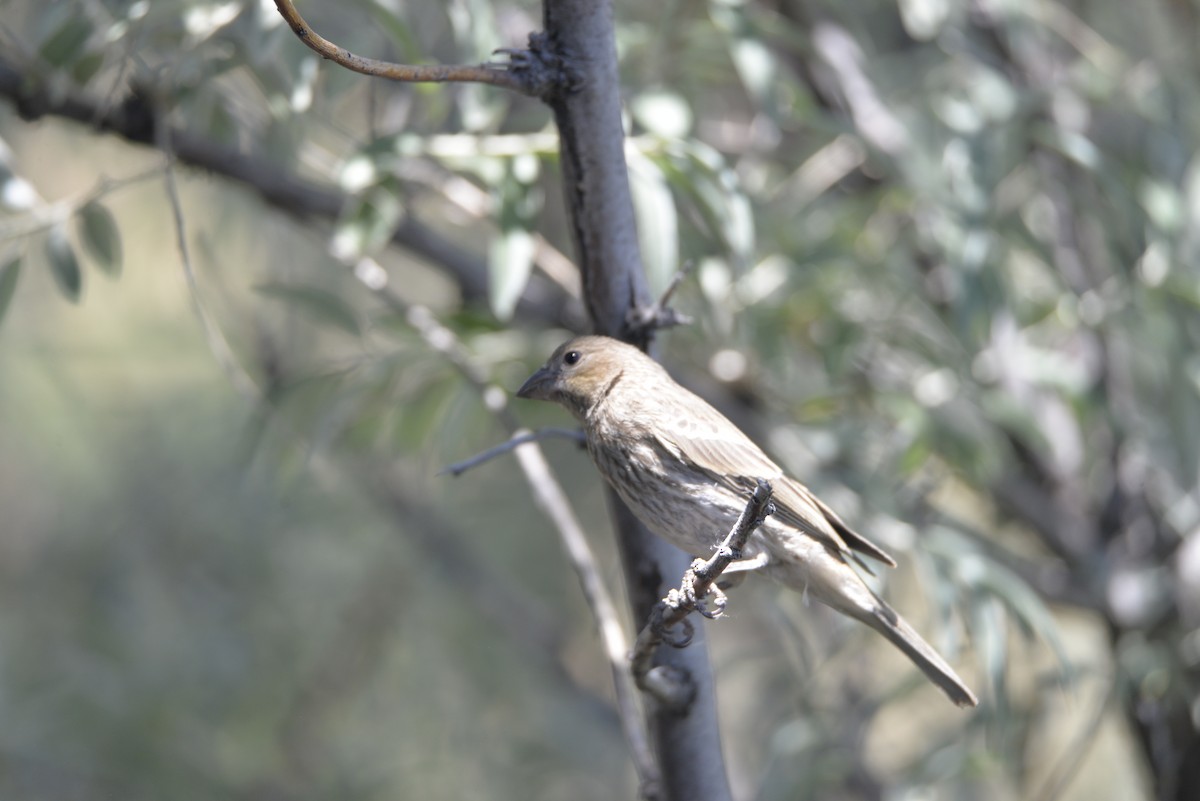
column 699, row 580
column 643, row 321
column 549, row 496
column 218, row 345
column 529, row 73
column 458, row 468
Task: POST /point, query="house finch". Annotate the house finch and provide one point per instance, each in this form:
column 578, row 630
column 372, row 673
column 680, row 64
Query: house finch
column 686, row 472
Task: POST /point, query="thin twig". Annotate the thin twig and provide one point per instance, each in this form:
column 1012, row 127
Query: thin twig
column 549, row 496
column 676, row 280
column 689, row 597
column 1072, row 759
column 217, row 343
column 47, row 215
column 521, row 77
column 458, row 468
column 645, row 320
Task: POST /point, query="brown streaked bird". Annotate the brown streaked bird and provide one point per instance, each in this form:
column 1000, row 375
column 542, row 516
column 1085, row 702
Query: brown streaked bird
column 687, row 472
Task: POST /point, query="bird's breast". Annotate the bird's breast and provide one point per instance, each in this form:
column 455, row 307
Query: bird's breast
column 673, row 498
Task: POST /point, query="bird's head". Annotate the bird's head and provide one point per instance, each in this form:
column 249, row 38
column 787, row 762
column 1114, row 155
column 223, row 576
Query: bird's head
column 584, row 370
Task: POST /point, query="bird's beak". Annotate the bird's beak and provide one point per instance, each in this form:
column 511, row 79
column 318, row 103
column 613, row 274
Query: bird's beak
column 539, row 385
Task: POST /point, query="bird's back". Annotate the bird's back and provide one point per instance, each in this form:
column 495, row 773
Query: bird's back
column 687, row 471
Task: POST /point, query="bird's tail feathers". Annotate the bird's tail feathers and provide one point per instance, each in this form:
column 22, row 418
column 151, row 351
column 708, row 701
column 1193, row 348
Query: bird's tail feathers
column 851, row 596
column 888, row 623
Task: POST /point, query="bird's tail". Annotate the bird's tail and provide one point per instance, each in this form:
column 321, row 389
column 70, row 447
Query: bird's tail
column 887, row 622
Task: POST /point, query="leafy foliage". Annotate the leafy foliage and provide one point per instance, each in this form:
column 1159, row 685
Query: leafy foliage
column 947, row 272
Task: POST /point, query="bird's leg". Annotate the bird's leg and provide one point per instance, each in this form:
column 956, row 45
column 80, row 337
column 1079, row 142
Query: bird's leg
column 737, row 570
column 759, row 560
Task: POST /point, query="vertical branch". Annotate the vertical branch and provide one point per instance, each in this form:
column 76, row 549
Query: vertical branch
column 595, row 177
column 600, row 206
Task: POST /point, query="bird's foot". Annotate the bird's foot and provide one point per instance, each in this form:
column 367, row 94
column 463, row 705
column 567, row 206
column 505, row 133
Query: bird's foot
column 719, row 602
column 696, row 600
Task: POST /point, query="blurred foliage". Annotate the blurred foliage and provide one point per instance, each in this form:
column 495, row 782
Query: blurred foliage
column 947, row 272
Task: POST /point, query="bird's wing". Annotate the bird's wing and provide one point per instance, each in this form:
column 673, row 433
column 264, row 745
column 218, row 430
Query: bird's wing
column 707, row 440
column 803, row 506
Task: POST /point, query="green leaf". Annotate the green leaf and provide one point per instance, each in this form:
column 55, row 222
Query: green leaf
column 370, row 222
column 86, row 67
column 663, row 113
column 10, row 271
column 702, row 172
column 64, row 45
column 510, row 263
column 989, row 630
column 101, row 237
column 657, row 219
column 64, row 265
column 756, row 66
column 320, row 304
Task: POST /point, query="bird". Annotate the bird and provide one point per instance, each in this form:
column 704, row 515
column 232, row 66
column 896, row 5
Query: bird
column 686, row 471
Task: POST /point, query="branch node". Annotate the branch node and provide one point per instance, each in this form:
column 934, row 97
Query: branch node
column 670, row 686
column 643, row 321
column 542, row 71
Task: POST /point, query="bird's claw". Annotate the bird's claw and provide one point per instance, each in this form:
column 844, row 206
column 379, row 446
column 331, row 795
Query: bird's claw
column 719, row 601
column 686, row 595
column 681, row 638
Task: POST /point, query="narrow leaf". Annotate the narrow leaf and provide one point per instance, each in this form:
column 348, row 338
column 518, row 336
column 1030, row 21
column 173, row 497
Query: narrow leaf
column 10, row 272
column 65, row 44
column 64, row 265
column 657, row 220
column 510, row 262
column 318, row 303
column 101, row 237
column 86, row 67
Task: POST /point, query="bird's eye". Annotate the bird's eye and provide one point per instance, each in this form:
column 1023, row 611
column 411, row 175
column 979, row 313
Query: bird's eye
column 572, row 356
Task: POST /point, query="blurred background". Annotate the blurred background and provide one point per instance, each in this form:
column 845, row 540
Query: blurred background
column 946, row 273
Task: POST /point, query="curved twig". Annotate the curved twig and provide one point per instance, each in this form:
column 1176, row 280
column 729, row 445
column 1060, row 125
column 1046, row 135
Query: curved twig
column 519, row 78
column 458, row 468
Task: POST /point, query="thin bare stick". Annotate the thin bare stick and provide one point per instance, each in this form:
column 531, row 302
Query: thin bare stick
column 645, row 320
column 458, row 468
column 1072, row 760
column 46, row 215
column 549, row 496
column 217, row 343
column 683, row 272
column 518, row 78
column 699, row 580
